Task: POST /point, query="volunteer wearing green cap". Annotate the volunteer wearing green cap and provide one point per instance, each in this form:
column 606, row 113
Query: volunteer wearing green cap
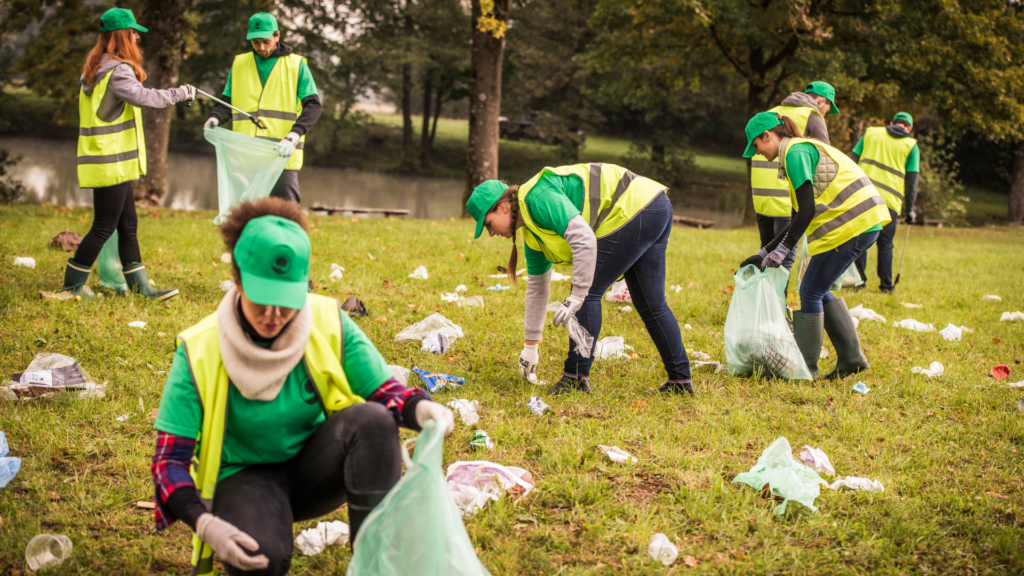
column 771, row 193
column 890, row 157
column 112, row 148
column 276, row 86
column 842, row 214
column 608, row 223
column 277, row 408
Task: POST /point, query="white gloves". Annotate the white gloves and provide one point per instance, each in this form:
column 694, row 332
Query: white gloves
column 528, row 360
column 227, row 542
column 287, row 146
column 568, row 310
column 211, row 123
column 190, row 93
column 429, row 410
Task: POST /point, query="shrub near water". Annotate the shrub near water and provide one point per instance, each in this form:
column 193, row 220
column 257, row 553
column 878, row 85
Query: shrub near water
column 947, row 450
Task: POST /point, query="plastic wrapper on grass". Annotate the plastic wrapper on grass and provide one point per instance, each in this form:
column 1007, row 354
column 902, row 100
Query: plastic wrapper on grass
column 618, row 455
column 855, row 483
column 934, row 370
column 477, row 482
column 312, row 541
column 466, row 410
column 612, row 348
column 757, row 337
column 49, row 374
column 434, row 381
column 401, row 373
column 433, row 324
column 777, row 472
column 914, row 325
column 662, row 549
column 9, row 465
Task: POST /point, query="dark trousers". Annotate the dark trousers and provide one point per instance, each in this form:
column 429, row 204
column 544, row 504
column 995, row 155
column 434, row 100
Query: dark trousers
column 287, row 186
column 885, row 247
column 637, row 252
column 769, row 227
column 353, row 457
column 113, row 209
column 825, row 268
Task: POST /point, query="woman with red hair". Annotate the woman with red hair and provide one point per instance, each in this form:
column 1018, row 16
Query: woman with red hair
column 112, row 148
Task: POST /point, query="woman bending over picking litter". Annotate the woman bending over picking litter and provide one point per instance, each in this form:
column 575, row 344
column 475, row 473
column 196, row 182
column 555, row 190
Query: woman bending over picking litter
column 112, row 149
column 267, row 393
column 842, row 214
column 608, row 222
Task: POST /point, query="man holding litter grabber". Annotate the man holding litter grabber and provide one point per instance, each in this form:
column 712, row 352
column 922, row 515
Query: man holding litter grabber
column 275, row 85
column 891, row 159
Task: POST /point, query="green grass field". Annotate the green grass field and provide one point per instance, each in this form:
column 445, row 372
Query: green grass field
column 949, row 450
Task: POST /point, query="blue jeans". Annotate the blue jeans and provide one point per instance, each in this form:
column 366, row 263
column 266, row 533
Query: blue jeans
column 825, row 268
column 637, row 252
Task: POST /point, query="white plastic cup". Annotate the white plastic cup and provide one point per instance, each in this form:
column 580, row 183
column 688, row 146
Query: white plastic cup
column 47, row 551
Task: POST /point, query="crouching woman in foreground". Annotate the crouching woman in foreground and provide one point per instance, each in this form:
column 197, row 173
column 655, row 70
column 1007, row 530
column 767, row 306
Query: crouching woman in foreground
column 842, row 214
column 287, row 407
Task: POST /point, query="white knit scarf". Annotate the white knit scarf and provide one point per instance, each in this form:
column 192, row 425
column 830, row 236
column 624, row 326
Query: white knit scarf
column 257, row 372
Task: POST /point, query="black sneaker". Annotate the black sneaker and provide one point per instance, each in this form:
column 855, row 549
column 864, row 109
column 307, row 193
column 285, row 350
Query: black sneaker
column 569, row 384
column 681, row 388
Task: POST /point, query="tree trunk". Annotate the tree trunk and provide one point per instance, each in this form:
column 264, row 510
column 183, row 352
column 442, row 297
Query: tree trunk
column 437, row 114
column 161, row 48
column 484, row 102
column 1016, row 211
column 406, row 117
column 428, row 91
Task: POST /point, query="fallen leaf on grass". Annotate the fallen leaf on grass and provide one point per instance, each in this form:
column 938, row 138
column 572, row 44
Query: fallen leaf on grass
column 690, row 561
column 639, row 404
column 54, row 496
column 381, row 319
column 831, row 402
column 996, row 340
column 729, row 289
column 386, row 283
column 692, row 283
column 997, row 495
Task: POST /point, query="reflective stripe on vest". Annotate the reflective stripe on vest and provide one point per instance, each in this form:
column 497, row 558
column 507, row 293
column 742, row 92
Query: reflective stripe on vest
column 846, row 208
column 109, row 153
column 617, row 194
column 884, row 159
column 771, row 193
column 276, row 102
column 323, row 359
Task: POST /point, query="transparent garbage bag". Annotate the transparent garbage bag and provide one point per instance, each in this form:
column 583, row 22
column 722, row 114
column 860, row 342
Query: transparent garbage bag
column 433, row 324
column 417, row 529
column 108, row 266
column 247, row 168
column 784, row 477
column 757, row 337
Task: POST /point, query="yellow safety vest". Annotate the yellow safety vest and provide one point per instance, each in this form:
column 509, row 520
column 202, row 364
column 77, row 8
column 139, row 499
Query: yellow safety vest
column 276, row 102
column 847, row 207
column 323, row 360
column 884, row 159
column 109, row 153
column 617, row 193
column 771, row 193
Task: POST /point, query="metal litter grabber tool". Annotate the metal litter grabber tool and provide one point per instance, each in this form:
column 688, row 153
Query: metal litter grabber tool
column 905, row 241
column 259, row 123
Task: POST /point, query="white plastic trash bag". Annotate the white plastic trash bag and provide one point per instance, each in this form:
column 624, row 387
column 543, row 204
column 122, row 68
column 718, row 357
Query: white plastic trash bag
column 861, row 313
column 934, row 370
column 855, row 483
column 466, row 410
column 612, row 348
column 914, row 325
column 247, row 168
column 420, row 273
column 26, row 261
column 433, row 324
column 662, row 549
column 817, row 460
column 757, row 337
column 953, row 333
column 312, row 541
column 1017, row 316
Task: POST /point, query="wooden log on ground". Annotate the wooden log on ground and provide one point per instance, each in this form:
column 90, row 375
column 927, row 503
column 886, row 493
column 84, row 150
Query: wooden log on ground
column 347, row 210
column 695, row 222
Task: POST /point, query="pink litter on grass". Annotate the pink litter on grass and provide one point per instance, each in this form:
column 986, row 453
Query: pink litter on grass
column 1000, row 372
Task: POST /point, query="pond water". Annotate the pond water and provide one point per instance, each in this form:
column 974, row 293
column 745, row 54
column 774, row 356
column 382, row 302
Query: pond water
column 48, row 170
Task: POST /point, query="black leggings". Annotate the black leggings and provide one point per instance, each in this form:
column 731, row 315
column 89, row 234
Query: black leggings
column 113, row 209
column 352, row 457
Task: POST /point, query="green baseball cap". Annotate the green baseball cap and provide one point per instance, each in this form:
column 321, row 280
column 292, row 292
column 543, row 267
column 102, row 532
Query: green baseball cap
column 904, row 116
column 273, row 256
column 482, row 199
column 119, row 19
column 261, row 25
column 758, row 125
column 826, row 91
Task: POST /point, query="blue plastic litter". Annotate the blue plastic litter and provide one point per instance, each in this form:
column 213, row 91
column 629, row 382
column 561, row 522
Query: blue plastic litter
column 436, row 380
column 499, row 287
column 861, row 388
column 9, row 466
